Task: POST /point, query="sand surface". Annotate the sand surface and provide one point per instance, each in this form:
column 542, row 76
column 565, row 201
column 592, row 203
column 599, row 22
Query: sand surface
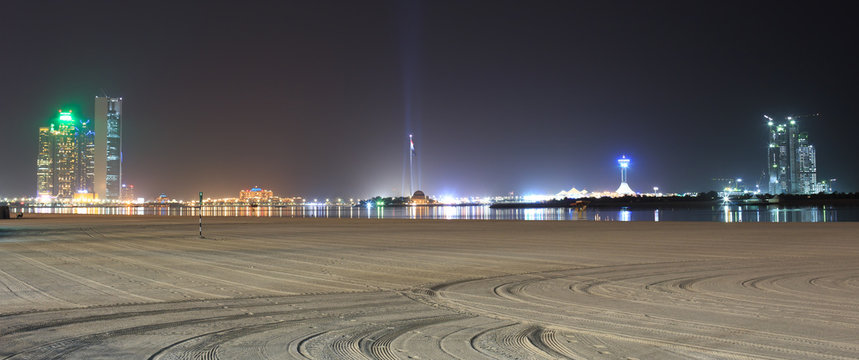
column 90, row 287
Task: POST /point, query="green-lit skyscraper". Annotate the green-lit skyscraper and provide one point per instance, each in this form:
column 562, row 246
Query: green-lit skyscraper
column 65, row 162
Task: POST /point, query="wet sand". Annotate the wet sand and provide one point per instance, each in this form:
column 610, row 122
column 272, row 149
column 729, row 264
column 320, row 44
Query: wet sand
column 90, row 287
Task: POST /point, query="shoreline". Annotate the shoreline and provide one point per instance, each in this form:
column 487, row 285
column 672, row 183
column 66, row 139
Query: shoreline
column 81, row 286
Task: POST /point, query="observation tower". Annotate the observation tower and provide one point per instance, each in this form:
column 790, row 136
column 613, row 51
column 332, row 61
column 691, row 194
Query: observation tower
column 624, row 188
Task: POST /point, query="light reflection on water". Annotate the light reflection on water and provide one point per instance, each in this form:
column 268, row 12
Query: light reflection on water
column 727, row 213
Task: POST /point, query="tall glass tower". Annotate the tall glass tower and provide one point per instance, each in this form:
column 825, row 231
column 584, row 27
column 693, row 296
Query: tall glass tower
column 108, row 147
column 44, row 163
column 807, row 166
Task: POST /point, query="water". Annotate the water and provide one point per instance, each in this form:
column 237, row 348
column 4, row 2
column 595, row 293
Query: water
column 729, row 213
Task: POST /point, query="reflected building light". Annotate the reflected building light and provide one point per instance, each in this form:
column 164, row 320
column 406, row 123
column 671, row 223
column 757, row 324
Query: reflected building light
column 624, row 215
column 536, row 198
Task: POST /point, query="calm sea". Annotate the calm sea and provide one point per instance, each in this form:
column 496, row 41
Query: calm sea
column 729, row 213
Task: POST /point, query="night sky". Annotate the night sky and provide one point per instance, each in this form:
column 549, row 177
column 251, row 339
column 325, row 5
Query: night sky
column 317, row 98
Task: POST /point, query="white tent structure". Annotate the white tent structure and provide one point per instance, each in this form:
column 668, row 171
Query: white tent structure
column 571, row 194
column 624, row 188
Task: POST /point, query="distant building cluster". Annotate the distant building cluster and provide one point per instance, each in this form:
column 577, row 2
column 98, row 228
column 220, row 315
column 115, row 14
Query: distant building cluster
column 258, row 196
column 792, row 160
column 81, row 159
column 247, row 197
column 255, row 194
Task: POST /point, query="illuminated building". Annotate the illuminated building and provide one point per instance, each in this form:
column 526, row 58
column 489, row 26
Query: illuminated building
column 108, row 145
column 163, row 199
column 255, row 194
column 573, row 193
column 64, row 162
column 419, row 198
column 85, row 167
column 624, row 188
column 791, row 159
column 127, row 192
column 781, row 156
column 84, row 197
column 44, row 163
column 807, row 166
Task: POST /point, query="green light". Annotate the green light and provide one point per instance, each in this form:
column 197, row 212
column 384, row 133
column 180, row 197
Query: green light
column 66, row 116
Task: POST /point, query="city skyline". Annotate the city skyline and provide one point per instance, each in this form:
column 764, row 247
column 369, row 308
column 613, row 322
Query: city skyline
column 319, row 99
column 81, row 159
column 791, row 165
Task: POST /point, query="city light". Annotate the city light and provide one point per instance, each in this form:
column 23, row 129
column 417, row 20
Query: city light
column 537, row 198
column 66, row 116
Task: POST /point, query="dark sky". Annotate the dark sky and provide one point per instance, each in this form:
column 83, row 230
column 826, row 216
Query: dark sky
column 316, row 98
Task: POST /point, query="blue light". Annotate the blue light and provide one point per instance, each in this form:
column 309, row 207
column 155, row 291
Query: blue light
column 624, row 162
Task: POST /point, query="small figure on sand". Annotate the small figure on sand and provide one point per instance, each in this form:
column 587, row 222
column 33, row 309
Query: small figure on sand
column 20, row 215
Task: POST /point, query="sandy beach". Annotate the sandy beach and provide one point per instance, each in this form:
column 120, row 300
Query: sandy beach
column 98, row 287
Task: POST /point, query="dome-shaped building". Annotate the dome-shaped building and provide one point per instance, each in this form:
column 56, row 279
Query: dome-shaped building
column 419, row 198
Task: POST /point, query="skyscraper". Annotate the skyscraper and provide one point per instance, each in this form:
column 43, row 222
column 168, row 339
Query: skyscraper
column 65, row 158
column 44, row 163
column 807, row 166
column 85, row 166
column 791, row 159
column 108, row 147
